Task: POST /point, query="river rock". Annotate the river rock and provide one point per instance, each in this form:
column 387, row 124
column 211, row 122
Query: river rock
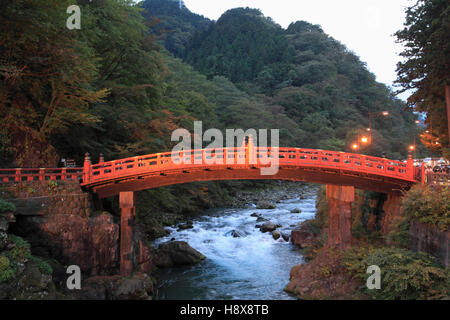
column 276, row 234
column 138, row 286
column 263, row 204
column 260, row 219
column 268, row 227
column 303, row 235
column 185, row 226
column 296, row 210
column 235, row 234
column 285, row 236
column 5, row 220
column 255, row 214
column 175, row 253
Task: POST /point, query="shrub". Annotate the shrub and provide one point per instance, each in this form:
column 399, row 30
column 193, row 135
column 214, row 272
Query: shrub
column 6, row 270
column 21, row 250
column 404, row 274
column 6, row 206
column 429, row 205
column 43, row 266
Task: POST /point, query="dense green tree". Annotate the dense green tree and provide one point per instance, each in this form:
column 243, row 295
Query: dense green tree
column 46, row 79
column 426, row 69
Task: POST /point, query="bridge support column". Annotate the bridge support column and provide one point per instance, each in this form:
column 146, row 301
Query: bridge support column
column 340, row 200
column 127, row 206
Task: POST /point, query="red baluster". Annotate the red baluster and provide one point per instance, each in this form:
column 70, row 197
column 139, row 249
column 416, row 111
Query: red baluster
column 87, row 168
column 17, row 175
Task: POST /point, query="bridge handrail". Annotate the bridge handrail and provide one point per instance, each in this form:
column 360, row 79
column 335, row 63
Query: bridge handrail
column 211, row 157
column 40, row 174
column 241, row 156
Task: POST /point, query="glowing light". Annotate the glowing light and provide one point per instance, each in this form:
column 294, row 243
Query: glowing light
column 354, row 146
column 364, row 139
column 411, row 147
column 385, row 113
column 417, row 121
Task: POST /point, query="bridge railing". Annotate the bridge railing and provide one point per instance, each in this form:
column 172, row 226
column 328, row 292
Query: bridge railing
column 40, row 174
column 258, row 157
column 215, row 157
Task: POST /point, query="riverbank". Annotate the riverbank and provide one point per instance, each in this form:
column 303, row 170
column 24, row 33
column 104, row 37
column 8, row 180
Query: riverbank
column 405, row 274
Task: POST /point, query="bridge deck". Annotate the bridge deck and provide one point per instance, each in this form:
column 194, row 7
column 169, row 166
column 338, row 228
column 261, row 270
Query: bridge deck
column 153, row 170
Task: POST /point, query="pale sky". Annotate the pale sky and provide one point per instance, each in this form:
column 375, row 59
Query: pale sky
column 366, row 27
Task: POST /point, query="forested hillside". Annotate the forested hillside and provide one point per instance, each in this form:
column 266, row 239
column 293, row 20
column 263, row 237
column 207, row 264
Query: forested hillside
column 112, row 87
column 299, row 80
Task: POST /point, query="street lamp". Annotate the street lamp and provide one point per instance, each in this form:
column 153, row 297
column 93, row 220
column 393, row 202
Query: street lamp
column 354, row 146
column 369, row 129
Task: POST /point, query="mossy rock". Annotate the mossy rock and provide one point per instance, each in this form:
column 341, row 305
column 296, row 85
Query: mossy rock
column 265, row 205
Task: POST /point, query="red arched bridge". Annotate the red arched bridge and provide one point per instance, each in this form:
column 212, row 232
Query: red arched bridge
column 340, row 171
column 242, row 163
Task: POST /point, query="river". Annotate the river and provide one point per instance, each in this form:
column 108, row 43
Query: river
column 254, row 266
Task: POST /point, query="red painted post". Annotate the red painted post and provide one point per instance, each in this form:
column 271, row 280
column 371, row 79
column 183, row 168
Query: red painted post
column 101, row 159
column 410, row 165
column 87, row 168
column 17, row 175
column 127, row 207
column 250, row 151
column 422, row 174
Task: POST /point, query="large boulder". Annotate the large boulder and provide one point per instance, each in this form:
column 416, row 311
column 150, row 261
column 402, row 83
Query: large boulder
column 303, row 235
column 185, row 226
column 263, row 204
column 276, row 234
column 139, row 286
column 175, row 253
column 268, row 227
column 92, row 243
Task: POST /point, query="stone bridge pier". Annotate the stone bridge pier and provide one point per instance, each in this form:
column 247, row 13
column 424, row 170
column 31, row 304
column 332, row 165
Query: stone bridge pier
column 340, row 200
column 127, row 202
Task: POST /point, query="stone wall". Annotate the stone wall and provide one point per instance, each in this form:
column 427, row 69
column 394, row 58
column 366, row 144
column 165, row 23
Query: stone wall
column 47, row 197
column 430, row 239
column 59, row 222
column 56, row 218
